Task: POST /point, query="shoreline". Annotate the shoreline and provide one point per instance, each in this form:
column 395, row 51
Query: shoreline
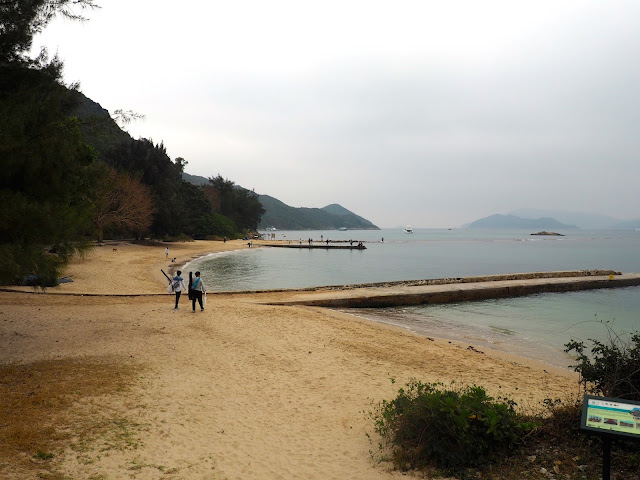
column 233, row 392
column 197, row 250
column 546, row 356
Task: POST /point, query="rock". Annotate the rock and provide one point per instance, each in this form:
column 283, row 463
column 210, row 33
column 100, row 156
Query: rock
column 552, row 234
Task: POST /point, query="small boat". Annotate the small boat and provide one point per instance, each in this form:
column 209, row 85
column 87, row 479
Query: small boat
column 408, row 229
column 342, row 229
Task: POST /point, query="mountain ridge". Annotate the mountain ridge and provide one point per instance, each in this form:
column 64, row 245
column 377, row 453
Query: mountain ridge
column 553, row 219
column 500, row 221
column 583, row 220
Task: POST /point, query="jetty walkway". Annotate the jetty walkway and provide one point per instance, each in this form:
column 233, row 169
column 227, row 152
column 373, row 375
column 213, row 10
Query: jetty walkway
column 451, row 290
column 315, row 245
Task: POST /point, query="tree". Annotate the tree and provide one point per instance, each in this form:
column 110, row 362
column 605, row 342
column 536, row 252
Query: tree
column 249, row 210
column 122, row 202
column 612, row 368
column 44, row 188
column 151, row 164
column 240, row 205
column 20, row 20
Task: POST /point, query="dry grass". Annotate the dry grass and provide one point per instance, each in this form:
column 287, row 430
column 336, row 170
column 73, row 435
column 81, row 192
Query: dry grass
column 37, row 415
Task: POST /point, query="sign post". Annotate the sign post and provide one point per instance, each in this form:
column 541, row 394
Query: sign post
column 606, row 457
column 610, row 417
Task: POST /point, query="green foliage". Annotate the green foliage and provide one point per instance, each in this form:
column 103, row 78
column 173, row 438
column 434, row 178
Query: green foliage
column 151, row 164
column 44, row 187
column 49, row 190
column 181, row 207
column 214, row 224
column 613, row 369
column 178, row 238
column 239, row 204
column 428, row 425
column 40, row 455
column 20, row 20
column 193, row 206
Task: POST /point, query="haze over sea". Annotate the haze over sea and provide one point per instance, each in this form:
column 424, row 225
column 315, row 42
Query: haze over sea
column 536, row 326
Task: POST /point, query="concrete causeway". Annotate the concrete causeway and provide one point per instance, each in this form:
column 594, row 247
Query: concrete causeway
column 457, row 289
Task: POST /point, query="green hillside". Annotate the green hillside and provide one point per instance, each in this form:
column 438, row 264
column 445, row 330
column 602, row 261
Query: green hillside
column 284, row 217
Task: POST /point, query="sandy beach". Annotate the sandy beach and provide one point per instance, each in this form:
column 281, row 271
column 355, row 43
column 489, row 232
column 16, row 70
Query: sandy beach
column 243, row 390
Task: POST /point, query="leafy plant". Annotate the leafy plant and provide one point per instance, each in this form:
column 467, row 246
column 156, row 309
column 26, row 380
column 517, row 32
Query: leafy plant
column 428, row 425
column 40, row 455
column 613, row 368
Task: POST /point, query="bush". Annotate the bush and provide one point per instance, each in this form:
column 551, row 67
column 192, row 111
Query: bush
column 177, row 239
column 613, row 369
column 427, row 425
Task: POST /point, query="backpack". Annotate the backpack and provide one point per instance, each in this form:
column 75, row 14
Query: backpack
column 176, row 284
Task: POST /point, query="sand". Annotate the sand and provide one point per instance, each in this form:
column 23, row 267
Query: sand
column 243, row 390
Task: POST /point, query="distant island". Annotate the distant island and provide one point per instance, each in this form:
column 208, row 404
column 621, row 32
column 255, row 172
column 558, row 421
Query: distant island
column 551, row 234
column 513, row 222
column 281, row 216
column 583, row 220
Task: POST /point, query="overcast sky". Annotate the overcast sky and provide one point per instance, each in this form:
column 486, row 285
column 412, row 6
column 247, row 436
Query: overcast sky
column 429, row 113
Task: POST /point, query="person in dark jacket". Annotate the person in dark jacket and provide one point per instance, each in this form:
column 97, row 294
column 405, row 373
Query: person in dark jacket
column 197, row 291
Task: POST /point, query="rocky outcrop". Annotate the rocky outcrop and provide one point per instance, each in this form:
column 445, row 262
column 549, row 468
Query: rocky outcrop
column 551, row 234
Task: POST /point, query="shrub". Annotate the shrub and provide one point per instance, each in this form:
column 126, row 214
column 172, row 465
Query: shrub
column 180, row 238
column 613, row 369
column 427, row 425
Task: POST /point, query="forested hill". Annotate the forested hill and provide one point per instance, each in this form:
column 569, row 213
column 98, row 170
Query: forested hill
column 71, row 176
column 98, row 128
column 284, row 217
column 101, row 132
column 180, row 207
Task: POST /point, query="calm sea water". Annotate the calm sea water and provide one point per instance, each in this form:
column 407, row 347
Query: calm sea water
column 536, row 326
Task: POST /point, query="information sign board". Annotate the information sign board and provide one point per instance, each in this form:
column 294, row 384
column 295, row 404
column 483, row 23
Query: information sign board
column 611, row 416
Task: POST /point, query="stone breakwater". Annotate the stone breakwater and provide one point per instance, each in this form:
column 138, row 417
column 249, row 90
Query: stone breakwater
column 439, row 281
column 483, row 278
column 391, row 294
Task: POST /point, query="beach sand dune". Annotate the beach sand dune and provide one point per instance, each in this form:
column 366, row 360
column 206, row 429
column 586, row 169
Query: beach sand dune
column 243, row 390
